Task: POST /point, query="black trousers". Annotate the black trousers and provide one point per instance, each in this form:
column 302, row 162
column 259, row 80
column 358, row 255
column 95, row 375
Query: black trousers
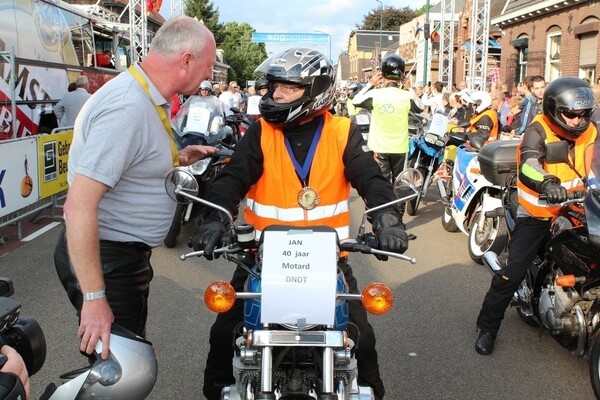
column 127, row 275
column 529, row 236
column 219, row 371
column 391, row 164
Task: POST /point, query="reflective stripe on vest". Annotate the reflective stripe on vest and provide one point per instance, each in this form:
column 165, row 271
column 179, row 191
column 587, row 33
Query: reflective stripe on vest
column 273, row 199
column 495, row 125
column 529, row 199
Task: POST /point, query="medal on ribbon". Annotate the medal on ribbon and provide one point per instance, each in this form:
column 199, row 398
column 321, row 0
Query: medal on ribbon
column 308, row 198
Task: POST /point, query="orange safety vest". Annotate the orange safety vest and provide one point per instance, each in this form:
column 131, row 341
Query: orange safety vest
column 529, row 199
column 495, row 124
column 273, row 199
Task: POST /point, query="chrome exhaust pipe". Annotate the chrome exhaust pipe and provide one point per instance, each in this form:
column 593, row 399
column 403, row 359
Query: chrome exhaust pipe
column 490, row 259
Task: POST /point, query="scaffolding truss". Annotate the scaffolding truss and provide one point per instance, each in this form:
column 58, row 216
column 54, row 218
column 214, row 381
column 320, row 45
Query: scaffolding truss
column 446, row 55
column 477, row 57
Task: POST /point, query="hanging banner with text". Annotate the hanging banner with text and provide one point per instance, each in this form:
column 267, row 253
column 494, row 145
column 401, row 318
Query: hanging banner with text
column 299, row 276
column 262, row 37
column 53, row 156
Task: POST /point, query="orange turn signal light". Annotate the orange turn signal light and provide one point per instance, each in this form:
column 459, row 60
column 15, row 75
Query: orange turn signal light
column 219, row 296
column 568, row 280
column 377, row 298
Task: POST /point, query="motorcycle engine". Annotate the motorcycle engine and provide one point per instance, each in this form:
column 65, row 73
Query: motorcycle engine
column 555, row 306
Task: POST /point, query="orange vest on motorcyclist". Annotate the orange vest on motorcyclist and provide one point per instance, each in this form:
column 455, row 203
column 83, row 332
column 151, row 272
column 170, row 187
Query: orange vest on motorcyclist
column 273, row 199
column 493, row 115
column 529, row 199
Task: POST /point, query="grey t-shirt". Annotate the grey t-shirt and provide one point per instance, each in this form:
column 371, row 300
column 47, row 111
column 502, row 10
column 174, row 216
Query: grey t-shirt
column 120, row 141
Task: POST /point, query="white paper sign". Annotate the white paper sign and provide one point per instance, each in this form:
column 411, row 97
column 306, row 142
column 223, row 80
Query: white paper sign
column 439, row 125
column 253, row 105
column 198, row 119
column 362, row 119
column 299, row 276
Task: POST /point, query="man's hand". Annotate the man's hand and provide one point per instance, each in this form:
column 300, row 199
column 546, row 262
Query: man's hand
column 207, row 237
column 389, row 230
column 96, row 321
column 15, row 365
column 190, row 154
column 554, row 192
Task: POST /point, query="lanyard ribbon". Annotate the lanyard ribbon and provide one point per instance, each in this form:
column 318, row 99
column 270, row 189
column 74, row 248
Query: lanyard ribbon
column 161, row 113
column 302, row 171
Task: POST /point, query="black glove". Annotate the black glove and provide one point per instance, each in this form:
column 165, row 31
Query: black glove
column 389, row 230
column 554, row 192
column 207, row 236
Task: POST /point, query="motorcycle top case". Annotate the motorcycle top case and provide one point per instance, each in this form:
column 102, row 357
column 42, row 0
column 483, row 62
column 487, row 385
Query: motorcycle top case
column 498, row 161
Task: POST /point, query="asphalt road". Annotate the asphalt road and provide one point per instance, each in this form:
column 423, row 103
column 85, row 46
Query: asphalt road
column 425, row 344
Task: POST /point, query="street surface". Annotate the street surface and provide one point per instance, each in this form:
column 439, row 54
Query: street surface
column 425, row 344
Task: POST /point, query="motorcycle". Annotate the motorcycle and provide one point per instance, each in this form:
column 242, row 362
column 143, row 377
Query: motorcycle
column 561, row 291
column 199, row 121
column 295, row 343
column 238, row 122
column 363, row 120
column 425, row 154
column 469, row 197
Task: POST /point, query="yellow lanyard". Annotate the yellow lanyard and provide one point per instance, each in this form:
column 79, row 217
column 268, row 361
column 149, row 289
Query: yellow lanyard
column 161, row 113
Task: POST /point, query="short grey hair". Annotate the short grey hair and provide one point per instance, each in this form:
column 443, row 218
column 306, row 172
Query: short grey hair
column 179, row 34
column 81, row 81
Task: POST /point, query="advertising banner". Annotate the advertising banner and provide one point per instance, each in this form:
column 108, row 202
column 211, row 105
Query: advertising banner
column 53, row 152
column 18, row 175
column 273, row 37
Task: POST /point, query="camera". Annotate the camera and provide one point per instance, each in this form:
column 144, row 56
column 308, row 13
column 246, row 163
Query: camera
column 22, row 333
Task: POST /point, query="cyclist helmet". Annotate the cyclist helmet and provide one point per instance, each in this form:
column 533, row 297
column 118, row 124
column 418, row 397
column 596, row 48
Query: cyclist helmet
column 482, row 100
column 261, row 83
column 301, row 66
column 129, row 372
column 205, row 85
column 567, row 94
column 466, row 95
column 353, row 88
column 392, row 67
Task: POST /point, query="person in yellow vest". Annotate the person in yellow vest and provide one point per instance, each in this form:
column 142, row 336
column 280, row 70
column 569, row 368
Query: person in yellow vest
column 353, row 88
column 485, row 122
column 389, row 106
column 566, row 108
column 298, row 161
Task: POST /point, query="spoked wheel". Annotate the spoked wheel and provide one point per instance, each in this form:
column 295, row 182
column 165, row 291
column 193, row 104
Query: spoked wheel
column 595, row 365
column 492, row 236
column 447, row 221
column 412, row 177
column 175, row 228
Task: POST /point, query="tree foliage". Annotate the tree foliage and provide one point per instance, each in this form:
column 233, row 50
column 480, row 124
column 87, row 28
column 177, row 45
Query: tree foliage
column 241, row 54
column 392, row 18
column 234, row 39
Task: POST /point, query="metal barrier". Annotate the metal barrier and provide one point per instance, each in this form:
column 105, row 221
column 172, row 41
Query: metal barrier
column 35, row 210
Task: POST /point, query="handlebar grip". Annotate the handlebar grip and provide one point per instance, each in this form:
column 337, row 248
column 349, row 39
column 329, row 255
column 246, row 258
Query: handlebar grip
column 577, row 194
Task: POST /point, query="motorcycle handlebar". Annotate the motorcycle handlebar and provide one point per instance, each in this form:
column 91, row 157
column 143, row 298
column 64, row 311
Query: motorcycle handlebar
column 572, row 197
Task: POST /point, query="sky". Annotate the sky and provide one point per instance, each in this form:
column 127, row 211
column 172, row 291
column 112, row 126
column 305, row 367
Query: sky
column 334, row 17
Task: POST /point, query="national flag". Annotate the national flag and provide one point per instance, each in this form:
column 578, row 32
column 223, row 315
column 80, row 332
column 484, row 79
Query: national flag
column 419, row 29
column 435, row 34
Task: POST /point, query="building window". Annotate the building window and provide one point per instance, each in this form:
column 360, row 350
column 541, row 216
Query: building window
column 553, row 54
column 522, row 64
column 587, row 33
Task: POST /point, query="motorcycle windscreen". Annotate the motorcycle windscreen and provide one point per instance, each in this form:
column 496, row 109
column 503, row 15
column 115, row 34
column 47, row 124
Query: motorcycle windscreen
column 592, row 201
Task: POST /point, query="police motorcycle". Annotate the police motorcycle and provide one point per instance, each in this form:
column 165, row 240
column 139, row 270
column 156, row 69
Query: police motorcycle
column 200, row 121
column 295, row 343
column 561, row 291
column 468, row 198
column 427, row 142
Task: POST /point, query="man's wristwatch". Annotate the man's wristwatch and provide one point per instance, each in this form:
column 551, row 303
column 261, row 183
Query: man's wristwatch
column 94, row 295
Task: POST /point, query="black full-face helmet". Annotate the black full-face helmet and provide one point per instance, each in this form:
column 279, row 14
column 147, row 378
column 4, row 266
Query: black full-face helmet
column 261, row 83
column 301, row 66
column 568, row 95
column 392, row 67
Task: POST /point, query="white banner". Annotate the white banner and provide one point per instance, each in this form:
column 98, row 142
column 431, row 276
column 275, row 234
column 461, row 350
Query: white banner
column 18, row 174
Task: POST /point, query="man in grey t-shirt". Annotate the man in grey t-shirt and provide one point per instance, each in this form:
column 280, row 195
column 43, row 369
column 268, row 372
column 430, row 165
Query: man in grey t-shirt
column 117, row 208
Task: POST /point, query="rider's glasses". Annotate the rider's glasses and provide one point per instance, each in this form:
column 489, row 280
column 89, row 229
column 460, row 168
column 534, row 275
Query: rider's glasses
column 573, row 114
column 284, row 87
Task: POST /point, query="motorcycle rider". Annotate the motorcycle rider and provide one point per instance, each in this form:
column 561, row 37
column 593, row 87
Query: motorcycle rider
column 261, row 87
column 566, row 108
column 484, row 123
column 352, row 89
column 272, row 167
column 390, row 105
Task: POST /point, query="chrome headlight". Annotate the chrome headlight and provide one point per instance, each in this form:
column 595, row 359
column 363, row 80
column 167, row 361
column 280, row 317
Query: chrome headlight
column 434, row 139
column 199, row 167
